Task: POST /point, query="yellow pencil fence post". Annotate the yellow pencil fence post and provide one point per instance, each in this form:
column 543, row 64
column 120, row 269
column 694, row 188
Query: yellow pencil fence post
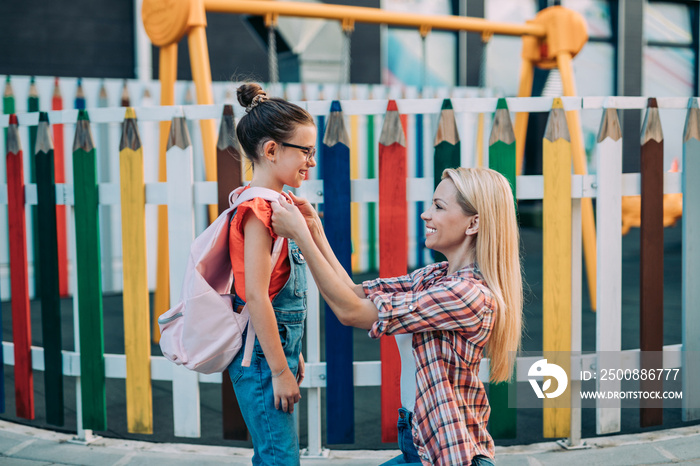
column 556, row 279
column 137, row 345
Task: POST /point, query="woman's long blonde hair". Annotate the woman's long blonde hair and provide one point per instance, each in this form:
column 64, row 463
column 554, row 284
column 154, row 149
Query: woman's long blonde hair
column 486, row 192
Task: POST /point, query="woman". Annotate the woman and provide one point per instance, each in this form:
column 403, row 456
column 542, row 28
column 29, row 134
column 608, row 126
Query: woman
column 454, row 309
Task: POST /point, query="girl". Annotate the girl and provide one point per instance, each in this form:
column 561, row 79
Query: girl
column 278, row 137
column 453, row 310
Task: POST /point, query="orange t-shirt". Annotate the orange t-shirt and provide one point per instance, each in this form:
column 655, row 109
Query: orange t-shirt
column 236, row 241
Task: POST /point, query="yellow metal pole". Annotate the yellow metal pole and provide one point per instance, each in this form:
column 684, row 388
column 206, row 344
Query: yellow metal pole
column 372, row 15
column 579, row 161
column 527, row 73
column 168, row 74
column 201, row 73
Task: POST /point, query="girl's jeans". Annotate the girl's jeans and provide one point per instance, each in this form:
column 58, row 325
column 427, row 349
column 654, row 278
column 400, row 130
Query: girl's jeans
column 273, row 431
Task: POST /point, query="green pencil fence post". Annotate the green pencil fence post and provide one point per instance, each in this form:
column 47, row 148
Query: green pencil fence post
column 87, row 236
column 502, row 424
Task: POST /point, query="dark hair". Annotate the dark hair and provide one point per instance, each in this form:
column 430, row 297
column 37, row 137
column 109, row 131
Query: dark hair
column 266, row 119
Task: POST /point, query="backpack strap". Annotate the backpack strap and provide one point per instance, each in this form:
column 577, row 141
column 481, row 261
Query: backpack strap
column 237, row 197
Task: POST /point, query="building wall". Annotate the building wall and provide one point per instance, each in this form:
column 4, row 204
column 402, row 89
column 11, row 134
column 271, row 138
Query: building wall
column 82, row 38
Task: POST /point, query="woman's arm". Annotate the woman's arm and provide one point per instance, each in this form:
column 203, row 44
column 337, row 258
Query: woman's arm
column 258, row 244
column 350, row 308
column 315, row 226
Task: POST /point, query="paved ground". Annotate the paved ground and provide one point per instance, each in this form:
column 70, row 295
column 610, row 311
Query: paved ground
column 367, row 433
column 23, row 445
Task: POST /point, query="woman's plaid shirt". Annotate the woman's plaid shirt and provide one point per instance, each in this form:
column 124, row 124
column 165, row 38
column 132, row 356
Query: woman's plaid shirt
column 450, row 317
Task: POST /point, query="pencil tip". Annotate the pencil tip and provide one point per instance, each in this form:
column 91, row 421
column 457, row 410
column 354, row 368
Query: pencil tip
column 43, row 116
column 13, row 119
column 392, row 107
column 335, row 106
column 651, row 103
column 130, row 113
column 502, row 104
column 83, row 115
column 446, row 104
column 557, row 103
column 228, row 110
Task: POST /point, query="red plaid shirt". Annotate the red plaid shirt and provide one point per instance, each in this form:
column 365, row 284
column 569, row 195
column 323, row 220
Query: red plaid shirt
column 450, row 317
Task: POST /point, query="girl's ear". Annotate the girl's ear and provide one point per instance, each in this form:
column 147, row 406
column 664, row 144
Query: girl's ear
column 269, row 150
column 473, row 227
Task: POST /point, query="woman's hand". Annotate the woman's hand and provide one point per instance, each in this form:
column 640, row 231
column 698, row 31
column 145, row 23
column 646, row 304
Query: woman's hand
column 306, row 209
column 286, row 391
column 287, row 220
column 302, row 369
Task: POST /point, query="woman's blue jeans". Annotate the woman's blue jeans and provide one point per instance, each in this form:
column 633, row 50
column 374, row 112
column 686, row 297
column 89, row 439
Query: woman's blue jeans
column 409, row 453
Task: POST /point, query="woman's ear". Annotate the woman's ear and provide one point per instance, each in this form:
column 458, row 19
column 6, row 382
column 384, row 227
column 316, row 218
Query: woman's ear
column 473, row 227
column 269, row 150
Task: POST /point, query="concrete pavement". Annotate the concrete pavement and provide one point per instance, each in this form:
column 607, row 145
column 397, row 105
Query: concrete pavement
column 24, row 445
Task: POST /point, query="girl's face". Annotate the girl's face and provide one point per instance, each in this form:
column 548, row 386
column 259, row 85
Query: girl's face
column 292, row 163
column 447, row 226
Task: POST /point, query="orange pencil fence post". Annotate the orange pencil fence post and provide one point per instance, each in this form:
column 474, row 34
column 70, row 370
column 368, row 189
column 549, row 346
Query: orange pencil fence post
column 60, row 178
column 19, row 276
column 393, row 251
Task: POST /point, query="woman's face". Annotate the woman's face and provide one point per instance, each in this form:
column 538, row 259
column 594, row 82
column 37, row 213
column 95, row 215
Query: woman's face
column 293, row 163
column 445, row 222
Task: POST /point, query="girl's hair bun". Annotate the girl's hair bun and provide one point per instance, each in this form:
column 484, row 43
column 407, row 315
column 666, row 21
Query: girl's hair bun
column 247, row 92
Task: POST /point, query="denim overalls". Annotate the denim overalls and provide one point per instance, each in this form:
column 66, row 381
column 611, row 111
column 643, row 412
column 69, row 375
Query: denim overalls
column 273, row 431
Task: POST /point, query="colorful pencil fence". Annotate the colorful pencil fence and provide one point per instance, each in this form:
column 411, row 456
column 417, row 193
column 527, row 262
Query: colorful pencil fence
column 561, row 192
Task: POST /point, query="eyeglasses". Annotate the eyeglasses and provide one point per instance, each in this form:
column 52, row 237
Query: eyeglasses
column 309, row 152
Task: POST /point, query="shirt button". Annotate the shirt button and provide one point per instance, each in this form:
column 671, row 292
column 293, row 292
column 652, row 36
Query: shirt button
column 410, row 307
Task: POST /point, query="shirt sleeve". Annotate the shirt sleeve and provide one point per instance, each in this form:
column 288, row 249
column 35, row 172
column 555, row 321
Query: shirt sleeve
column 459, row 305
column 258, row 207
column 387, row 285
column 403, row 283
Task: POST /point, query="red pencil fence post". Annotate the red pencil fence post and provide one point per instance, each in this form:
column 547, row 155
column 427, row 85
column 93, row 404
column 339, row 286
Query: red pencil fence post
column 19, row 277
column 393, row 252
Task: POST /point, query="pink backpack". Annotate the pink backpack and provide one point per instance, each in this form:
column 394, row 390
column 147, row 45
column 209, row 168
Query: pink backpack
column 203, row 332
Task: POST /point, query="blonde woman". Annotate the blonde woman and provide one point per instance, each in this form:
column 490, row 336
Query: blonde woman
column 451, row 311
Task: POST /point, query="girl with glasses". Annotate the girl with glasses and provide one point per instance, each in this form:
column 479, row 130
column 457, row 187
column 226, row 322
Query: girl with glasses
column 278, row 137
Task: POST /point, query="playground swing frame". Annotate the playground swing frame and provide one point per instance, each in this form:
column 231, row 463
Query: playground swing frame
column 550, row 40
